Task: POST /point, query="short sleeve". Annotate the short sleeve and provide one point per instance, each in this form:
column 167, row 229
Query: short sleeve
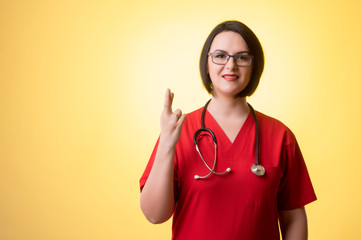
column 149, row 166
column 295, row 189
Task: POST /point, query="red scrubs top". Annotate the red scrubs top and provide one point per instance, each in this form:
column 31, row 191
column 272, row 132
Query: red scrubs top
column 239, row 204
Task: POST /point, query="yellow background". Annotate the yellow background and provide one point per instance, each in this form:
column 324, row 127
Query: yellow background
column 82, row 85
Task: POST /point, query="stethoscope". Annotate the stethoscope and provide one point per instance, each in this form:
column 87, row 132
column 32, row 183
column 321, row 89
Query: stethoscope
column 256, row 168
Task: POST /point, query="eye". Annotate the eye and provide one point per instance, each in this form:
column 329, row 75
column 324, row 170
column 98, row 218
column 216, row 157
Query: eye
column 219, row 55
column 243, row 57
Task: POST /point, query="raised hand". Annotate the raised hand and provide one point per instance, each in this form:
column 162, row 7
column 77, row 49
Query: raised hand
column 171, row 122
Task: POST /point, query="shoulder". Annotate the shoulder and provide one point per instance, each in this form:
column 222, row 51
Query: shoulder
column 193, row 117
column 195, row 114
column 270, row 121
column 273, row 127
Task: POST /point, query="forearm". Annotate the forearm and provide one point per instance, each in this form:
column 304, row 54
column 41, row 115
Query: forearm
column 157, row 197
column 294, row 224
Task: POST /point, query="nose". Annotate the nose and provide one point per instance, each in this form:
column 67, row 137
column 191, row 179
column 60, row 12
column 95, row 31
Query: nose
column 231, row 64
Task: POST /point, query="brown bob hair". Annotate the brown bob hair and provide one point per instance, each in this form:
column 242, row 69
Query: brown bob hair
column 254, row 47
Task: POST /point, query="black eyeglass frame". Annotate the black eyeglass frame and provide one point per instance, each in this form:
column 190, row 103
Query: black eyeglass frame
column 234, row 57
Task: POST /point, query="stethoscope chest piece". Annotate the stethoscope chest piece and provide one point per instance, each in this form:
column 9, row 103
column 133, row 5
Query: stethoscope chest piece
column 258, row 169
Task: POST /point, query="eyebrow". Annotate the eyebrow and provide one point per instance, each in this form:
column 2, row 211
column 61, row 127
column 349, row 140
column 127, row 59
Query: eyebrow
column 220, row 50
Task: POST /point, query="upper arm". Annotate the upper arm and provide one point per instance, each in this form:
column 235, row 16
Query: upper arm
column 293, row 223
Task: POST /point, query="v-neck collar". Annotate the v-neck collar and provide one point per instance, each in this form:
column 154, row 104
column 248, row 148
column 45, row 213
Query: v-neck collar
column 222, row 138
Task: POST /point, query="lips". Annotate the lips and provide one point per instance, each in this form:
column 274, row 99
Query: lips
column 230, row 77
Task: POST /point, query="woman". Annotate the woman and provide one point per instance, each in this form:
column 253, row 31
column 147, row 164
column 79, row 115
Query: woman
column 222, row 197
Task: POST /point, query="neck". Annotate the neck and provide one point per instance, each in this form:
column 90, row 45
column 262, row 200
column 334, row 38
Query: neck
column 228, row 107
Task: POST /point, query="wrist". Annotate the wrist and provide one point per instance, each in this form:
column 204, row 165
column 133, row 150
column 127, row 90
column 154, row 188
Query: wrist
column 166, row 146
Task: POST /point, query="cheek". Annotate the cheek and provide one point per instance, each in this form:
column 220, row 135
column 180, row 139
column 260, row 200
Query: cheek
column 213, row 68
column 248, row 74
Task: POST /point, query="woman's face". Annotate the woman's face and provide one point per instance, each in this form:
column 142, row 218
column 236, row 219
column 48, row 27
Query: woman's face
column 228, row 79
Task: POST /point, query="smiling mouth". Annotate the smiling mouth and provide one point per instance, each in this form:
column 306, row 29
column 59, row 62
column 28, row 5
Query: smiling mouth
column 230, row 77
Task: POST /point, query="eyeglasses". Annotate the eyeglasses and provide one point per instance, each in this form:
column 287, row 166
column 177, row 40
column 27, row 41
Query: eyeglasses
column 242, row 60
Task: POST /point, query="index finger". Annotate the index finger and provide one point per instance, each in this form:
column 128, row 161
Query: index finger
column 168, row 101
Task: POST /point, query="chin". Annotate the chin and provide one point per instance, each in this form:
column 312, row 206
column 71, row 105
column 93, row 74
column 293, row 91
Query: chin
column 227, row 93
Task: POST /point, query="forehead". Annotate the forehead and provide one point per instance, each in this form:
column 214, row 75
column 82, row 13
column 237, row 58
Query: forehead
column 230, row 42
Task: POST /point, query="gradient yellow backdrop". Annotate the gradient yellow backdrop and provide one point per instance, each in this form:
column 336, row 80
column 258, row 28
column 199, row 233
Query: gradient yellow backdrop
column 81, row 91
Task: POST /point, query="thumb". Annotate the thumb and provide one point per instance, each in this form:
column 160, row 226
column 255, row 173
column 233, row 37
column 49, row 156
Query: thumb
column 181, row 120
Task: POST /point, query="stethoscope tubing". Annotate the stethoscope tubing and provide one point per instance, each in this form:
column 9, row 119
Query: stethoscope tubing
column 215, row 153
column 257, row 132
column 257, row 169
